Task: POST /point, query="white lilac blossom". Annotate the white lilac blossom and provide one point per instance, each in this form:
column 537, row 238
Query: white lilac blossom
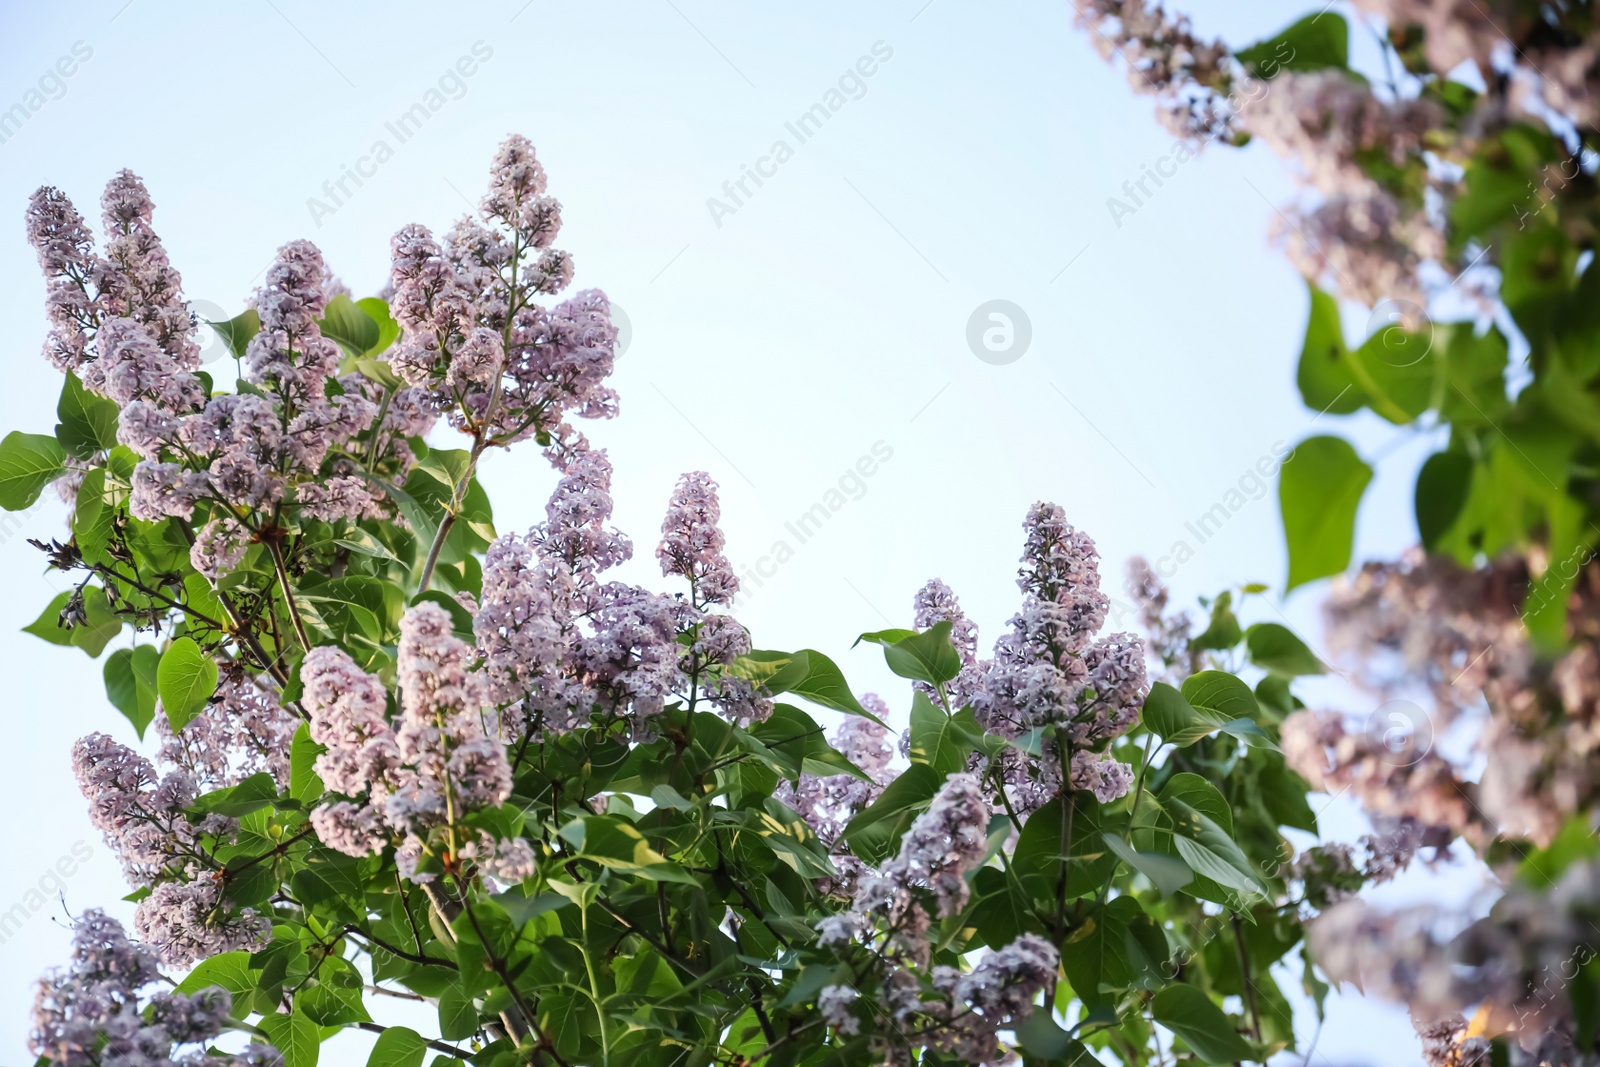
column 834, row 1005
column 94, row 1012
column 1051, row 671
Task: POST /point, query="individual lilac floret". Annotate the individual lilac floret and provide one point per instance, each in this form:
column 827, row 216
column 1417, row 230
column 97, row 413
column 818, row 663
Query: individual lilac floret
column 691, row 541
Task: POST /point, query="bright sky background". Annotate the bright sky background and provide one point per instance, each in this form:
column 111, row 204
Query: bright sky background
column 773, row 346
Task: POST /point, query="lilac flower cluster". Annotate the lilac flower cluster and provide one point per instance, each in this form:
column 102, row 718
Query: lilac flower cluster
column 1371, row 240
column 244, row 730
column 942, row 847
column 474, row 335
column 144, row 819
column 1167, row 635
column 90, row 1014
column 561, row 647
column 140, row 813
column 416, row 781
column 1331, row 758
column 292, row 440
column 1189, row 77
column 934, row 603
column 956, row 1012
column 1050, row 670
column 149, row 351
column 691, row 541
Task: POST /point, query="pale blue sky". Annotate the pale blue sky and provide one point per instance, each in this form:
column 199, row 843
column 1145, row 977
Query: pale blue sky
column 773, row 346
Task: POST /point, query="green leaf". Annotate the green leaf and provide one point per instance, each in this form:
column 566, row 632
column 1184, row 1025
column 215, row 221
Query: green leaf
column 94, row 516
column 458, row 1018
column 88, row 422
column 353, row 328
column 236, row 801
column 1319, row 490
column 398, row 1046
column 92, row 635
column 130, row 677
column 1040, row 1036
column 1119, row 947
column 1167, row 873
column 925, row 657
column 28, row 463
column 1276, row 649
column 611, row 842
column 874, row 834
column 1444, row 485
column 1326, row 382
column 186, row 678
column 304, row 785
column 1220, row 696
column 1173, row 719
column 388, row 330
column 297, row 1037
column 1202, row 828
column 824, row 684
column 363, row 543
column 1316, row 42
column 942, row 741
column 1189, row 1013
column 237, row 331
column 229, row 970
column 774, row 672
